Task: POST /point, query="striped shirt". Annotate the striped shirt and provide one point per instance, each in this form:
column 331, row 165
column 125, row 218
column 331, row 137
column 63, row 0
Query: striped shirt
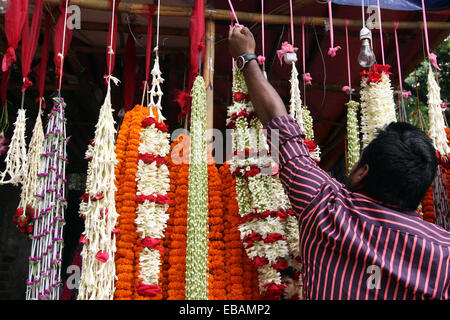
column 353, row 247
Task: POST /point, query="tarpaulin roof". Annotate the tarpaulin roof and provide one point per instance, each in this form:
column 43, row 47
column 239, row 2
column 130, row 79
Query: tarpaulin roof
column 399, row 5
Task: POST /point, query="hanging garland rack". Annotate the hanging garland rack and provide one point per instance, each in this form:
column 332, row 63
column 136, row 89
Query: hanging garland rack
column 224, row 15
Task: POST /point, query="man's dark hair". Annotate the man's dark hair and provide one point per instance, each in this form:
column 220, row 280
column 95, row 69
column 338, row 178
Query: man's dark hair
column 290, row 272
column 402, row 165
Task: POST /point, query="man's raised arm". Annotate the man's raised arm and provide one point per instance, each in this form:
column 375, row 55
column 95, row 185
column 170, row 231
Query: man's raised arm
column 266, row 101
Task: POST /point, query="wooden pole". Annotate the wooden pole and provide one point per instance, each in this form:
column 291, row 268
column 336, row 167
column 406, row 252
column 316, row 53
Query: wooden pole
column 224, row 15
column 208, row 76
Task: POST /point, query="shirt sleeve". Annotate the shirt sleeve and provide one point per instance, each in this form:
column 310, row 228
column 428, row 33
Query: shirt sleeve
column 299, row 173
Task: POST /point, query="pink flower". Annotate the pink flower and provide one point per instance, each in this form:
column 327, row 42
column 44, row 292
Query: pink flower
column 307, row 78
column 274, row 237
column 147, row 290
column 332, row 51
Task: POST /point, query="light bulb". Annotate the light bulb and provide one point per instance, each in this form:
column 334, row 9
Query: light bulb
column 366, row 57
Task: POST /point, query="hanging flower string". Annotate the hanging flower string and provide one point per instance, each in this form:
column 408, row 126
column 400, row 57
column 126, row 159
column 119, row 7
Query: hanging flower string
column 178, row 164
column 197, row 224
column 377, row 101
column 436, row 118
column 306, row 75
column 28, row 202
column 127, row 237
column 265, row 223
column 44, row 276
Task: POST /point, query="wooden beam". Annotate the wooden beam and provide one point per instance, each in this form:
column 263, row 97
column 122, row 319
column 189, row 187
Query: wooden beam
column 224, row 15
column 208, row 76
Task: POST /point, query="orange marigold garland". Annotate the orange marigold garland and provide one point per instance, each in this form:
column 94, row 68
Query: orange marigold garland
column 216, row 254
column 177, row 247
column 126, row 206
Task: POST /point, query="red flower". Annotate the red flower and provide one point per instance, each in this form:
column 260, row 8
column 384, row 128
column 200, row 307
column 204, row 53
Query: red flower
column 260, row 261
column 30, row 228
column 310, row 144
column 239, row 96
column 274, row 237
column 102, row 256
column 82, row 239
column 282, row 215
column 282, row 264
column 19, row 212
column 273, row 291
column 150, row 242
column 252, row 238
column 147, row 290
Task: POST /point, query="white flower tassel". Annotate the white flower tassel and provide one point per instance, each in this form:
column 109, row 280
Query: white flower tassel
column 99, row 211
column 155, row 91
column 353, row 149
column 295, row 108
column 436, row 117
column 16, row 158
column 31, row 184
column 377, row 107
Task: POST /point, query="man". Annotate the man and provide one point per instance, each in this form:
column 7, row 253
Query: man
column 288, row 278
column 364, row 241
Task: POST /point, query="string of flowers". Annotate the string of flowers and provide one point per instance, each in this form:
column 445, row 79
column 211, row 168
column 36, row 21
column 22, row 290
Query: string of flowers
column 428, row 206
column 98, row 208
column 44, row 276
column 234, row 249
column 127, row 236
column 377, row 101
column 263, row 206
column 197, row 224
column 179, row 156
column 28, row 202
column 243, row 283
column 436, row 119
column 353, row 152
column 216, row 254
column 16, row 157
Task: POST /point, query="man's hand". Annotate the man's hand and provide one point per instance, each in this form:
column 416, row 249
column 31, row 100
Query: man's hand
column 241, row 41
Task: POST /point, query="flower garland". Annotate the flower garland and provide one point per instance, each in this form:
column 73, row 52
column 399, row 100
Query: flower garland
column 428, row 206
column 44, row 276
column 243, row 281
column 152, row 186
column 216, row 255
column 28, row 202
column 377, row 101
column 98, row 209
column 264, row 207
column 295, row 107
column 16, row 158
column 234, row 249
column 353, row 152
column 436, row 118
column 126, row 239
column 179, row 156
column 197, row 224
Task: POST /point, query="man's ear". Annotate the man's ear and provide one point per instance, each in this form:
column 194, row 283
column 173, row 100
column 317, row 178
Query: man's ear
column 358, row 177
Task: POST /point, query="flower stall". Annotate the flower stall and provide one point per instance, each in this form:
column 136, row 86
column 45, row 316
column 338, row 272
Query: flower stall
column 150, row 176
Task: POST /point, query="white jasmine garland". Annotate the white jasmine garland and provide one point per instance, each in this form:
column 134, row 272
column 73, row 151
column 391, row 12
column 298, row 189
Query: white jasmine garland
column 377, row 107
column 150, row 262
column 197, row 215
column 435, row 116
column 353, row 151
column 97, row 277
column 16, row 159
column 309, row 132
column 295, row 107
column 35, row 150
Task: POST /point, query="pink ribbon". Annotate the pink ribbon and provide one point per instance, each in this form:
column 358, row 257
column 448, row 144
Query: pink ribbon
column 349, row 87
column 433, row 60
column 286, row 47
column 332, row 51
column 404, row 94
column 444, row 105
column 262, row 59
column 381, row 31
column 8, row 59
column 306, row 75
